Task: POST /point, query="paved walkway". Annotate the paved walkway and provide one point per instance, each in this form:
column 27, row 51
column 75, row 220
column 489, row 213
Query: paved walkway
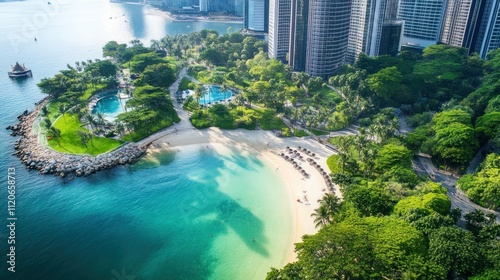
column 459, row 199
column 183, row 125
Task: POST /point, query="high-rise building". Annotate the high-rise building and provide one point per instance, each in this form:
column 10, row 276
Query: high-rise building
column 488, row 35
column 472, row 24
column 298, row 34
column 390, row 41
column 367, row 18
column 327, row 36
column 391, row 9
column 279, row 29
column 423, row 21
column 256, row 15
column 203, row 5
column 457, row 20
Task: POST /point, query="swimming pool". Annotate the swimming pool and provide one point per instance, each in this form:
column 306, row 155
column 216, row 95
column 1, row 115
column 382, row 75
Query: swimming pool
column 111, row 106
column 214, row 94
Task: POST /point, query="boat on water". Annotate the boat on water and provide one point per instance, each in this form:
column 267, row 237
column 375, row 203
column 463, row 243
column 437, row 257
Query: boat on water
column 19, row 71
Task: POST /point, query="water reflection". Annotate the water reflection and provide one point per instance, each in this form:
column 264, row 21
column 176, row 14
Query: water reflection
column 134, row 16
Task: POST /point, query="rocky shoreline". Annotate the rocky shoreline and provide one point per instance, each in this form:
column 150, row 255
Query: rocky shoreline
column 47, row 161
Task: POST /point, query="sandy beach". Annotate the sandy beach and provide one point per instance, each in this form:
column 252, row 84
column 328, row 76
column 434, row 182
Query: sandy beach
column 268, row 147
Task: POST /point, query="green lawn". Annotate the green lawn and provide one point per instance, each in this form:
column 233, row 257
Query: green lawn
column 136, row 136
column 186, row 84
column 329, row 95
column 70, row 142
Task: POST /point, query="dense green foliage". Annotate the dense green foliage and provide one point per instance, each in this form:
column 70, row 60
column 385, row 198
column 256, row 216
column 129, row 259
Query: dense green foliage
column 391, row 224
column 483, row 187
column 186, row 84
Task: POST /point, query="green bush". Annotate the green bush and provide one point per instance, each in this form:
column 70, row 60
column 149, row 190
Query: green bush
column 193, row 70
column 110, row 134
column 269, row 121
column 286, row 132
column 333, row 163
column 220, row 116
column 186, row 84
column 199, row 119
column 300, row 133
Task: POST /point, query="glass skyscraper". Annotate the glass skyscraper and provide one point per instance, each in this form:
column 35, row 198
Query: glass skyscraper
column 327, row 36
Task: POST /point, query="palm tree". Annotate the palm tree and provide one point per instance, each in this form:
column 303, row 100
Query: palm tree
column 119, row 127
column 331, row 202
column 84, row 137
column 62, row 110
column 45, row 111
column 321, row 216
column 343, row 145
column 47, row 123
column 224, row 89
column 100, row 118
column 54, row 133
column 90, row 120
column 198, row 92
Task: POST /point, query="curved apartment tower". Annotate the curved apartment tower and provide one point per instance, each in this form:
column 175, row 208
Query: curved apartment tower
column 327, row 36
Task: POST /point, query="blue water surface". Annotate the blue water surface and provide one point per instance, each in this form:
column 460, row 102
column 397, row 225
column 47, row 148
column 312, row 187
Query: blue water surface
column 174, row 215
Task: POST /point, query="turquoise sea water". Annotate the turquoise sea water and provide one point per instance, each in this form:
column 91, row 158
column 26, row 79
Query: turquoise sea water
column 192, row 214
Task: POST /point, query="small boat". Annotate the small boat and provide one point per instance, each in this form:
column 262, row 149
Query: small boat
column 19, row 71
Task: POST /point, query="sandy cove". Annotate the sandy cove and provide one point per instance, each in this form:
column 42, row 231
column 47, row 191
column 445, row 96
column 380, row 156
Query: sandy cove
column 268, row 147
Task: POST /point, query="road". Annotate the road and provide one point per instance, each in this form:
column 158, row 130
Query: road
column 425, row 167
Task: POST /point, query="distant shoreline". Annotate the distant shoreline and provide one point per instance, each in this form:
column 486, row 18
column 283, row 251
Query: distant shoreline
column 188, row 18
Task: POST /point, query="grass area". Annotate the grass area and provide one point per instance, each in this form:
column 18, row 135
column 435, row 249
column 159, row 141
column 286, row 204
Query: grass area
column 329, row 95
column 333, row 163
column 70, row 142
column 186, row 84
column 318, row 132
column 139, row 135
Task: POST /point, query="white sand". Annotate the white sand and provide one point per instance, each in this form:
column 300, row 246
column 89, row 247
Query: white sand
column 254, row 142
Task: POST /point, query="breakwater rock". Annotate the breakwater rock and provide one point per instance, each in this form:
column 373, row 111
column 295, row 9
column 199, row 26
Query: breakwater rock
column 47, row 161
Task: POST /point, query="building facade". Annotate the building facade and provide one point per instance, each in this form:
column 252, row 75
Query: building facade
column 279, row 29
column 256, row 15
column 298, row 34
column 390, row 42
column 423, row 21
column 488, row 35
column 457, row 20
column 327, row 36
column 365, row 31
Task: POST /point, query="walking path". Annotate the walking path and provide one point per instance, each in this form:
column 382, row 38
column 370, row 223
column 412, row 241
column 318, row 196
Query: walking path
column 183, row 125
column 459, row 199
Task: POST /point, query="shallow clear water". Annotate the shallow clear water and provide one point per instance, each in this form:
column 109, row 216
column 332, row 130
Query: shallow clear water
column 152, row 220
column 214, row 94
